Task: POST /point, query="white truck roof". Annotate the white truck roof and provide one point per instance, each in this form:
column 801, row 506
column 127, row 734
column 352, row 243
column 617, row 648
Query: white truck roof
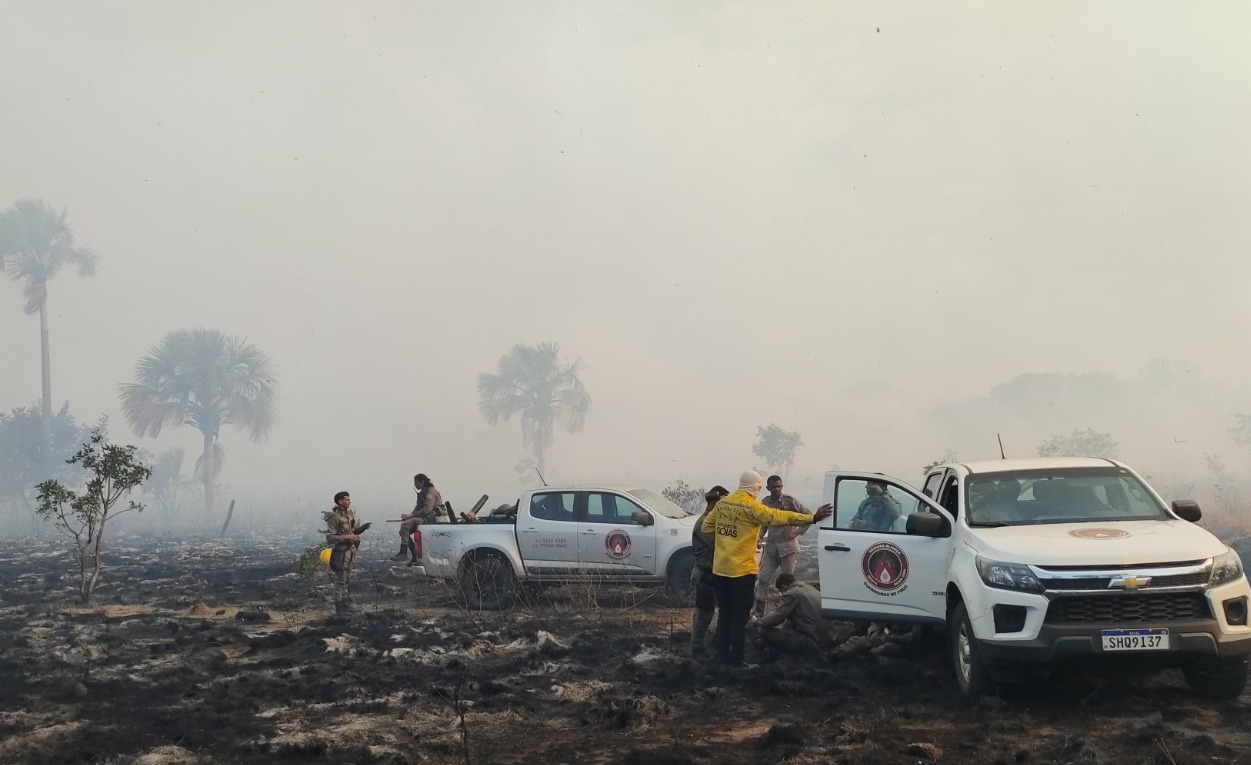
column 1035, row 463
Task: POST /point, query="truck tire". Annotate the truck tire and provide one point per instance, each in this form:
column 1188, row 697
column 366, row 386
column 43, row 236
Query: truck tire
column 678, row 583
column 972, row 674
column 1216, row 678
column 488, row 582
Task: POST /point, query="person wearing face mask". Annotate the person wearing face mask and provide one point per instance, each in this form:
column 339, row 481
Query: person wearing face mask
column 735, row 524
column 429, row 505
column 878, row 510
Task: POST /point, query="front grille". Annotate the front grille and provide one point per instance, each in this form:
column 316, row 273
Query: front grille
column 1114, row 609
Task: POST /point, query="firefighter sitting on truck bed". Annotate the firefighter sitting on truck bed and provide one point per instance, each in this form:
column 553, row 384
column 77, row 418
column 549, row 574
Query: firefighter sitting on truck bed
column 429, row 505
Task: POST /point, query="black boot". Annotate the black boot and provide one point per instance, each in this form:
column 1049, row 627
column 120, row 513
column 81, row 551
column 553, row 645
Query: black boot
column 402, row 554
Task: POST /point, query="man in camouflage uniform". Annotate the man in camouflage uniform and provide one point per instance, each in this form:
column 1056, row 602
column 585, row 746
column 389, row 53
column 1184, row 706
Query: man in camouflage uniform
column 781, row 545
column 795, row 626
column 429, row 506
column 342, row 534
column 878, row 510
column 702, row 546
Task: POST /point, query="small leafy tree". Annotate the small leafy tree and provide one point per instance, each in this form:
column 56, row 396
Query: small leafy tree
column 309, row 564
column 777, row 447
column 83, row 516
column 685, row 496
column 1081, row 443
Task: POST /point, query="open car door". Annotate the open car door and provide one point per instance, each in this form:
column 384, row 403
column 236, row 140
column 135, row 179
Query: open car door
column 871, row 567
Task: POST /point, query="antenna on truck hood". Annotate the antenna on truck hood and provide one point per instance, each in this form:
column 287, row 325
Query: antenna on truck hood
column 1002, row 456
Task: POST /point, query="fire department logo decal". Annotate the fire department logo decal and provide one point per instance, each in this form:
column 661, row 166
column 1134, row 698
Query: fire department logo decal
column 885, row 567
column 1098, row 533
column 617, row 544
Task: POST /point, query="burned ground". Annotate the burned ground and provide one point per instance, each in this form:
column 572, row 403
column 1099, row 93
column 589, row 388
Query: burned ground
column 221, row 652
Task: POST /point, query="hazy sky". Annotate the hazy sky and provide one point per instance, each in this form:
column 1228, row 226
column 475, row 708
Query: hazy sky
column 845, row 218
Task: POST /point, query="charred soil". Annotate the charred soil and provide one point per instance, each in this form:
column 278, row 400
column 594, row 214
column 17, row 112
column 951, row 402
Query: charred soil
column 221, row 652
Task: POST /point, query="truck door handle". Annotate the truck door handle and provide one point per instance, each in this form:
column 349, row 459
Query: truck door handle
column 531, row 530
column 838, row 548
column 589, row 531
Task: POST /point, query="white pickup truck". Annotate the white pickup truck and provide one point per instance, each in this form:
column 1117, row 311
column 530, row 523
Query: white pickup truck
column 1040, row 562
column 563, row 534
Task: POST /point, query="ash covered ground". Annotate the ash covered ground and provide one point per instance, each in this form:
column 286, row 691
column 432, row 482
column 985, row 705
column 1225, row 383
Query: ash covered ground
column 219, row 651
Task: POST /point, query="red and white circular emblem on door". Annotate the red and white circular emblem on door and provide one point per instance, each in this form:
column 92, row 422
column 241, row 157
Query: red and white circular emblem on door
column 885, row 567
column 617, row 544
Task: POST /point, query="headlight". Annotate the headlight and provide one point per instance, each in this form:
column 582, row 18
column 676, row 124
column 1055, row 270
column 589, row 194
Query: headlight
column 1225, row 568
column 1008, row 576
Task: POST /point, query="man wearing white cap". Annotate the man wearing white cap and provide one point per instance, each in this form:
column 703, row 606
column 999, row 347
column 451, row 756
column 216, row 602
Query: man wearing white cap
column 735, row 523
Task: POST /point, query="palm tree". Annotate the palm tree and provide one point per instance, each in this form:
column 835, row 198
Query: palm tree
column 202, row 378
column 534, row 384
column 34, row 243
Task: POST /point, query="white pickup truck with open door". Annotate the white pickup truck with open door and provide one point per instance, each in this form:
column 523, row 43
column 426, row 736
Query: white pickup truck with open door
column 1039, row 562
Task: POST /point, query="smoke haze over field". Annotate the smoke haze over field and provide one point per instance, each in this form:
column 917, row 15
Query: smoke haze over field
column 898, row 229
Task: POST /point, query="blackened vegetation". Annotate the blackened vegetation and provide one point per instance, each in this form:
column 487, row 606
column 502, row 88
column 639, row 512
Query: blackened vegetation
column 219, row 652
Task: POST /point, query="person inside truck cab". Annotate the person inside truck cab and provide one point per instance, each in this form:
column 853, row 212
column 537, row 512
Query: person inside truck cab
column 994, row 502
column 550, row 507
column 878, row 510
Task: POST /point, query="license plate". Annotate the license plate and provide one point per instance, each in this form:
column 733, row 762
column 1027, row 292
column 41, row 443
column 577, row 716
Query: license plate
column 1135, row 640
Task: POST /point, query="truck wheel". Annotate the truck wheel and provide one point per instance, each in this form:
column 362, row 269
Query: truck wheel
column 1216, row 678
column 679, row 582
column 972, row 674
column 488, row 583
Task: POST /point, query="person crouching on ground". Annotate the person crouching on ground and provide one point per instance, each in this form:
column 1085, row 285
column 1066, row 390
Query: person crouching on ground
column 735, row 522
column 795, row 627
column 702, row 544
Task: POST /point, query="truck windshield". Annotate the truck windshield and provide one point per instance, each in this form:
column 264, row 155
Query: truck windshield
column 658, row 503
column 1069, row 495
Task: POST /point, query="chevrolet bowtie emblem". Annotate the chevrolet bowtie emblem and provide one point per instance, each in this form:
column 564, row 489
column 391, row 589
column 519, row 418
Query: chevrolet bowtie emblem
column 1130, row 582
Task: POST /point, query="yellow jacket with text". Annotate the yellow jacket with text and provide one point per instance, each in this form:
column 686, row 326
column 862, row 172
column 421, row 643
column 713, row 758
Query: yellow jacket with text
column 735, row 525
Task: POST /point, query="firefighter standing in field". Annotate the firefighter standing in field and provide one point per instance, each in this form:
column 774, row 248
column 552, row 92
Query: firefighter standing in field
column 781, row 545
column 735, row 523
column 429, row 505
column 702, row 544
column 343, row 535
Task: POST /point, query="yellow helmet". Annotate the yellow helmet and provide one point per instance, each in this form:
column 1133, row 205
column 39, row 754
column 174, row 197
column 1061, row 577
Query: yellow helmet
column 325, row 556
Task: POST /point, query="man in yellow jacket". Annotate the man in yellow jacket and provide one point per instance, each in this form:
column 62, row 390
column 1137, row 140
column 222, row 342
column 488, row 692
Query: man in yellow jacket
column 735, row 524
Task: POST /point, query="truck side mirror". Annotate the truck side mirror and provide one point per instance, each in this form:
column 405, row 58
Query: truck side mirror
column 1187, row 510
column 926, row 523
column 642, row 518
